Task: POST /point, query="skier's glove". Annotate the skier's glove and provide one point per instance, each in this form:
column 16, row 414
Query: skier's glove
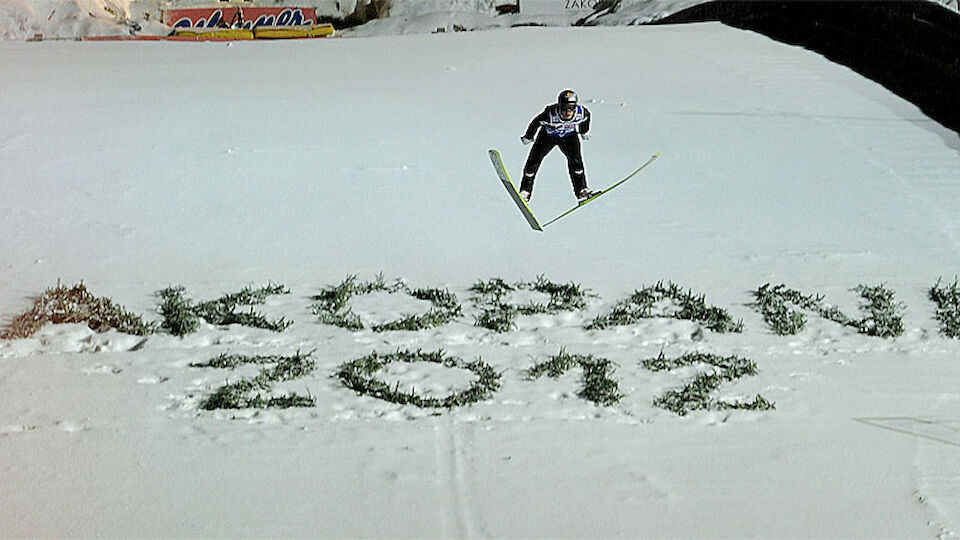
column 585, row 136
column 525, row 140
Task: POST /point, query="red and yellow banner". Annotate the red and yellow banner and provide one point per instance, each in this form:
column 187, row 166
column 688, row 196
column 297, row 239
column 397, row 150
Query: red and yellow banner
column 240, row 17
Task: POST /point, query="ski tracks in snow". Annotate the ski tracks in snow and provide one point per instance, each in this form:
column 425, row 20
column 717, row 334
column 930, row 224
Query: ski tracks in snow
column 455, row 476
column 937, row 463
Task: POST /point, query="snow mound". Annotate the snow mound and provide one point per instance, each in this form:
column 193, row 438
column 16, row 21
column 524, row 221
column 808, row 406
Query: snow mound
column 63, row 19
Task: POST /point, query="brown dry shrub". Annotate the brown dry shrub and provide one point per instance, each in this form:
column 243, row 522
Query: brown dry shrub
column 368, row 10
column 65, row 305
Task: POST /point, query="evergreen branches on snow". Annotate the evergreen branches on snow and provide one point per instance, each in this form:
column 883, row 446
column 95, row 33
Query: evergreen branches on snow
column 884, row 316
column 597, row 384
column 360, row 376
column 781, row 309
column 666, row 300
column 332, row 305
column 697, row 394
column 499, row 315
column 254, row 393
column 181, row 316
column 947, row 299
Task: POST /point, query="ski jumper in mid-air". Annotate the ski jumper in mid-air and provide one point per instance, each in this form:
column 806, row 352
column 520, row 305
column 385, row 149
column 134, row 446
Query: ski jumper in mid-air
column 561, row 124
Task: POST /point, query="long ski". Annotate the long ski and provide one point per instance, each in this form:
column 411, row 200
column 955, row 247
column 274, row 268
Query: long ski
column 605, row 191
column 512, row 190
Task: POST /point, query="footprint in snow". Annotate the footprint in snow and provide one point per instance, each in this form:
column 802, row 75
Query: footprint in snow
column 102, row 369
column 71, row 426
column 15, row 428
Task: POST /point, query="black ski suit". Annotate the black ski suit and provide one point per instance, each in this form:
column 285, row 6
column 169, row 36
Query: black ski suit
column 555, row 131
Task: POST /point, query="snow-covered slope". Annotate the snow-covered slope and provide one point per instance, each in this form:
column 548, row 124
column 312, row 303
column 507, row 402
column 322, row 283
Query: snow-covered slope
column 135, row 166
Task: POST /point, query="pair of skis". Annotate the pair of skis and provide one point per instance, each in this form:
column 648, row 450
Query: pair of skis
column 525, row 208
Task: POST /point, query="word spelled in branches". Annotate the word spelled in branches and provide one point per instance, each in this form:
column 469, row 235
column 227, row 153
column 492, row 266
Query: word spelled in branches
column 781, row 309
column 499, row 315
column 697, row 394
column 597, row 383
column 332, row 305
column 669, row 301
column 360, row 376
column 255, row 393
column 181, row 316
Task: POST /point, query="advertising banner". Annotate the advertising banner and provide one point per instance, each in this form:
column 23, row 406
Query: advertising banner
column 243, row 17
column 554, row 7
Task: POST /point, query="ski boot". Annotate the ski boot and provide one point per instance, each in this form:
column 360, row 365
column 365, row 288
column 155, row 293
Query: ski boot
column 586, row 193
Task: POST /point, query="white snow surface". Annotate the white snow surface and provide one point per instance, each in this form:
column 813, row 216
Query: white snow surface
column 134, row 166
